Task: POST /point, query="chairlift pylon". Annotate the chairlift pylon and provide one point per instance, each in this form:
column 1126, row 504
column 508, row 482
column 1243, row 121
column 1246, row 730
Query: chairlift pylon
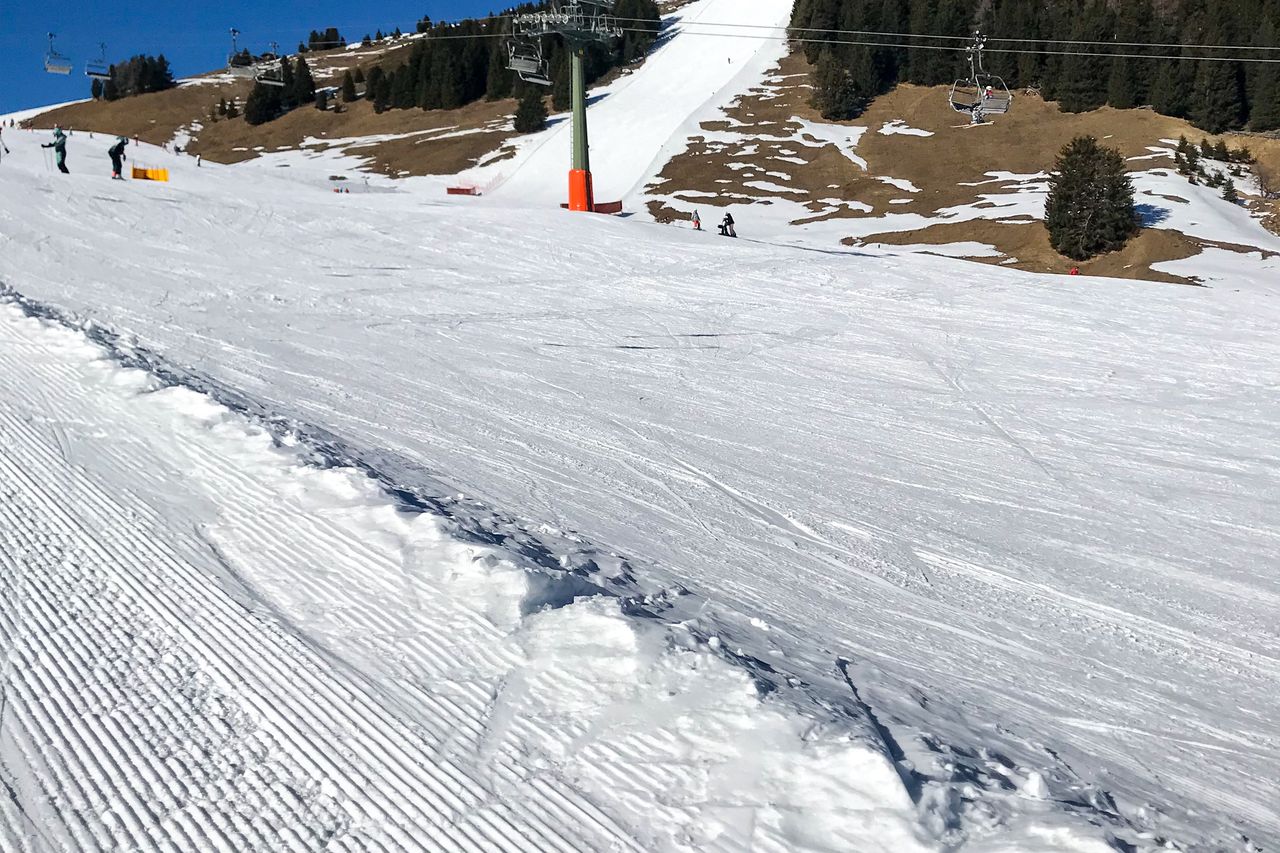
column 54, row 62
column 983, row 94
column 98, row 69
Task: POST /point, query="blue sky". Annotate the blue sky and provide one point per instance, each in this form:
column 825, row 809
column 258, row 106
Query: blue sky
column 193, row 35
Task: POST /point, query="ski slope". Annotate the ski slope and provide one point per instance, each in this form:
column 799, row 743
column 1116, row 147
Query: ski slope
column 212, row 646
column 639, row 121
column 1015, row 533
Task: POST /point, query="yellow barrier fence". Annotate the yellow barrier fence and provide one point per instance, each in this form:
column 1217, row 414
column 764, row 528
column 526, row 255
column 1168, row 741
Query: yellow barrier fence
column 144, row 173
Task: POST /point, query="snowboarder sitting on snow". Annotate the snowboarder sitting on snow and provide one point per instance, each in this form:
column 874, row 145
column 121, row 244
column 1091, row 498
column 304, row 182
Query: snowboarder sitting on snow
column 116, row 153
column 726, row 226
column 59, row 146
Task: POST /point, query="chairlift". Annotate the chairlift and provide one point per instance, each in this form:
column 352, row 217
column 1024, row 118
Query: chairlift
column 982, row 94
column 98, row 69
column 239, row 62
column 526, row 59
column 54, row 62
column 264, row 68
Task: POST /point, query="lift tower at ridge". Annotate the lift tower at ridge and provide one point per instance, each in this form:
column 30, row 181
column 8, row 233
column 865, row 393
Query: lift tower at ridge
column 580, row 23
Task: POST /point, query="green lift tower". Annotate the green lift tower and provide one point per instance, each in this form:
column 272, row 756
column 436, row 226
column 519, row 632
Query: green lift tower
column 580, row 23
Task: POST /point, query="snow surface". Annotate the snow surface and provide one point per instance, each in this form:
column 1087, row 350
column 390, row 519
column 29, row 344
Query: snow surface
column 1004, row 543
column 638, row 122
column 216, row 645
column 899, row 127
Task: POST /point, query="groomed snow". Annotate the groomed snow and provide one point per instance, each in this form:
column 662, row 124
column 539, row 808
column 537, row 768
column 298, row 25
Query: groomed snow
column 213, row 644
column 1024, row 525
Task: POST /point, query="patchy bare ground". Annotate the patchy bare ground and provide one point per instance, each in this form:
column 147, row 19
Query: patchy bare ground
column 464, row 135
column 723, row 168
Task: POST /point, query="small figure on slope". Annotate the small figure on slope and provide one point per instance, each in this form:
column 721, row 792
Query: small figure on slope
column 726, row 226
column 116, row 153
column 59, row 146
column 697, row 221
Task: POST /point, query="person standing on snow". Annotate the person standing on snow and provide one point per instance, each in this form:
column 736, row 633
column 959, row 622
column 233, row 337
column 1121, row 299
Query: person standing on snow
column 697, row 221
column 3, row 149
column 726, row 226
column 116, row 153
column 59, row 146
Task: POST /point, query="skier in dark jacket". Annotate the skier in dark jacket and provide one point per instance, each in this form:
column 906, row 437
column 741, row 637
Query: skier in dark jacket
column 117, row 158
column 59, row 146
column 726, row 227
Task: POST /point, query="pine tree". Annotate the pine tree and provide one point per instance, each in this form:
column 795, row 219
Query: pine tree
column 1090, row 209
column 358, row 75
column 375, row 77
column 287, row 92
column 531, row 115
column 1264, row 100
column 348, row 87
column 1082, row 80
column 304, row 85
column 95, row 89
column 322, row 101
column 1229, row 192
column 263, row 104
column 232, row 110
column 1218, row 102
column 382, row 95
column 1171, row 89
column 835, row 94
column 500, row 80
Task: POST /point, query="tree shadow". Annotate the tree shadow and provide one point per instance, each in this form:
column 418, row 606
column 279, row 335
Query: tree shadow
column 1151, row 215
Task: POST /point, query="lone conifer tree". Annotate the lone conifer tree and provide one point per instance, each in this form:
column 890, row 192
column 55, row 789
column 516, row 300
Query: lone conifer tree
column 348, row 88
column 531, row 116
column 1090, row 209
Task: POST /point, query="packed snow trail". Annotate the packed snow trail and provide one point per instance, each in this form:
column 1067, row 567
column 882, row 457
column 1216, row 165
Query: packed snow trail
column 209, row 645
column 1035, row 516
column 635, row 122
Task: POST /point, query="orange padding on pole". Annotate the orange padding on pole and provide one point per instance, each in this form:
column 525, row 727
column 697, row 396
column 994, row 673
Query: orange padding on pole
column 581, row 196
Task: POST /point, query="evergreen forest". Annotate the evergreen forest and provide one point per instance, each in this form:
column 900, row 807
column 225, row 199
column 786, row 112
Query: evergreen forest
column 1152, row 43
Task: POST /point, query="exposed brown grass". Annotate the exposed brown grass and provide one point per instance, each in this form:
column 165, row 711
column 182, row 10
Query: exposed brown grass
column 155, row 118
column 1026, row 142
column 1026, row 247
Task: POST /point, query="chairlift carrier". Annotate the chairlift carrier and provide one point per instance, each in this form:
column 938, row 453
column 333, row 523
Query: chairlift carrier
column 264, row 69
column 578, row 21
column 98, row 69
column 983, row 93
column 54, row 62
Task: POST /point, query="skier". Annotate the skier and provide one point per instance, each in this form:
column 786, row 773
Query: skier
column 697, row 221
column 3, row 149
column 726, row 226
column 116, row 153
column 59, row 146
